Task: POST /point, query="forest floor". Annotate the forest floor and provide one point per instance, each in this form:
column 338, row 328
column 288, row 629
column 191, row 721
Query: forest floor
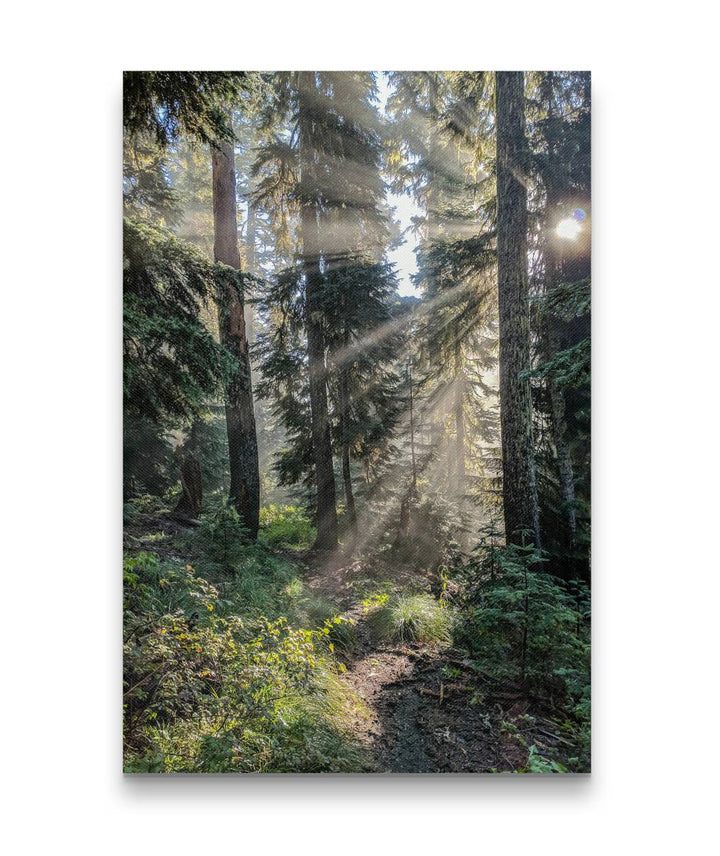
column 428, row 710
column 425, row 708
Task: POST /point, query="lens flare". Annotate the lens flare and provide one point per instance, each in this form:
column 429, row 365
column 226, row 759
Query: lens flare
column 569, row 228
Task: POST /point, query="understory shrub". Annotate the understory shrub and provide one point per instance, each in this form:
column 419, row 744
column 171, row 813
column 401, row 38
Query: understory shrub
column 206, row 690
column 144, row 505
column 286, row 526
column 223, row 536
column 521, row 624
column 252, row 578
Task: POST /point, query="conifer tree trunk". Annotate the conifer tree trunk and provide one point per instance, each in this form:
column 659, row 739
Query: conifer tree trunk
column 190, row 503
column 412, row 433
column 408, row 502
column 557, row 409
column 459, row 423
column 251, row 268
column 239, row 410
column 345, row 432
column 520, row 500
column 556, row 395
column 564, row 461
column 322, row 449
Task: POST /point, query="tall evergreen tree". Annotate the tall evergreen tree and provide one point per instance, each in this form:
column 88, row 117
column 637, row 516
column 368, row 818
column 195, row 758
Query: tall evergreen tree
column 309, row 127
column 442, row 128
column 520, row 501
column 324, row 173
column 172, row 364
column 554, row 180
column 239, row 412
column 366, row 325
column 559, row 133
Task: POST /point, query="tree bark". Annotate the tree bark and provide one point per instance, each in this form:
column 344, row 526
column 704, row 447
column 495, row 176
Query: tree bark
column 190, row 502
column 459, row 424
column 251, row 268
column 519, row 486
column 557, row 404
column 564, row 461
column 320, row 423
column 412, row 433
column 408, row 503
column 239, row 409
column 345, row 434
column 553, row 193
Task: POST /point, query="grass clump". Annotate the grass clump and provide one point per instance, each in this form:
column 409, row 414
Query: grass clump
column 318, row 613
column 412, row 618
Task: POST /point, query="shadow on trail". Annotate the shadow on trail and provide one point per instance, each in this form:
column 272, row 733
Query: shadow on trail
column 426, row 724
column 409, row 752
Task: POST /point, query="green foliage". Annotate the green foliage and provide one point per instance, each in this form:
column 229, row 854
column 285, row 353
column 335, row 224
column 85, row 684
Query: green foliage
column 147, row 190
column 314, row 610
column 379, row 598
column 171, row 361
column 223, row 536
column 558, row 110
column 230, row 660
column 207, row 691
column 537, row 763
column 521, row 624
column 210, row 447
column 569, row 300
column 342, row 636
column 148, row 462
column 260, row 584
column 162, row 104
column 142, row 505
column 412, row 618
column 254, row 581
column 568, row 368
column 434, row 526
column 524, row 624
column 336, row 132
column 286, row 526
column 317, row 612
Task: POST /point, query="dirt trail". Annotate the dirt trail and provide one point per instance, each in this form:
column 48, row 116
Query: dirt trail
column 384, row 679
column 417, row 719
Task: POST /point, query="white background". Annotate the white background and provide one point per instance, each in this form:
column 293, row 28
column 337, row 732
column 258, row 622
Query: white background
column 655, row 433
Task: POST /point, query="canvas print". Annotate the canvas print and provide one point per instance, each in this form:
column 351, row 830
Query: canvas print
column 356, row 422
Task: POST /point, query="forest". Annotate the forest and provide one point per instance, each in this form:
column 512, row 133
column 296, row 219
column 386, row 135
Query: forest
column 356, row 397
